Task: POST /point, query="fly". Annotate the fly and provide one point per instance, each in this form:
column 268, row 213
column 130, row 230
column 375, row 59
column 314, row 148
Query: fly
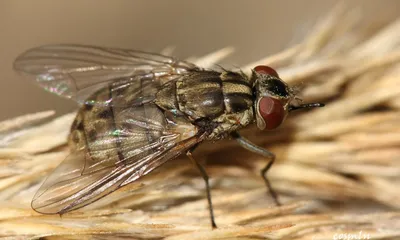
column 139, row 110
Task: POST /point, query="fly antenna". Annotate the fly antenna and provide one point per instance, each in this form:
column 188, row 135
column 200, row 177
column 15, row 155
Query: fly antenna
column 308, row 105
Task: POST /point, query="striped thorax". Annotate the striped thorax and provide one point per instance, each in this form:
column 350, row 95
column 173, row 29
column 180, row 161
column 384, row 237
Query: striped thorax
column 216, row 102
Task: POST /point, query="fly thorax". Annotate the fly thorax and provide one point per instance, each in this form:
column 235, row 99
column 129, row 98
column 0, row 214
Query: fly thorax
column 199, row 95
column 237, row 92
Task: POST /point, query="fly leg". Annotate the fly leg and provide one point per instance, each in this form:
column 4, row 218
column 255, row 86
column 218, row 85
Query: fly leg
column 205, row 177
column 263, row 152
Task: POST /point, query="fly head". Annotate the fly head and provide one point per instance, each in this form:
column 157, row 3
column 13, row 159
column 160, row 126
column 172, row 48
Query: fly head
column 273, row 98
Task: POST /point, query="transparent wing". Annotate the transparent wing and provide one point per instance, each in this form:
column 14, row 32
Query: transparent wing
column 141, row 143
column 77, row 71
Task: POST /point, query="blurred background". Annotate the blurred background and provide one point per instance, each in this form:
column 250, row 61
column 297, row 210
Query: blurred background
column 255, row 28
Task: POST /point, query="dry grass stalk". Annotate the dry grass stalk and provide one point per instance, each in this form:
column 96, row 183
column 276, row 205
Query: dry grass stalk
column 344, row 157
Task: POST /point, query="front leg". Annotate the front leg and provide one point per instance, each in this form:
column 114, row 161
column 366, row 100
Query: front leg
column 263, row 152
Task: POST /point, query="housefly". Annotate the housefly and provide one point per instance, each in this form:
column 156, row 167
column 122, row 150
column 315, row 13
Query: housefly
column 139, row 110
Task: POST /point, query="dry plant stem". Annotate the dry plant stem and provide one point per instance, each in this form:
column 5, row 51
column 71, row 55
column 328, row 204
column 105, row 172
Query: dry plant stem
column 344, row 157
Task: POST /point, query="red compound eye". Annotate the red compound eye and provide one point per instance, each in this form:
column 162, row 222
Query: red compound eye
column 266, row 70
column 272, row 111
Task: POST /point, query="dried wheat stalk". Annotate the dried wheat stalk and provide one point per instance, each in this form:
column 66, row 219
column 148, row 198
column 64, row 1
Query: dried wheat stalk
column 337, row 170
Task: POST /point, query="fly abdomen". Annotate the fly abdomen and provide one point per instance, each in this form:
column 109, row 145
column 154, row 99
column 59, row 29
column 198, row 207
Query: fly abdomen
column 112, row 131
